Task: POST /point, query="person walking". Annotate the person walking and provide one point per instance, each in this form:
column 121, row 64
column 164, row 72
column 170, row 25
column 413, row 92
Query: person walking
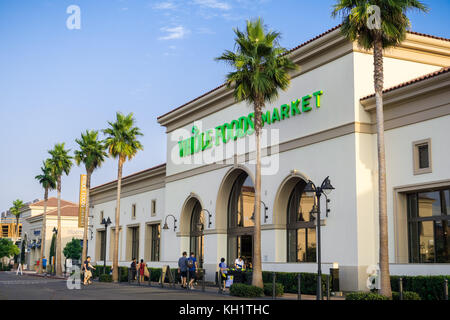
column 133, row 267
column 44, row 264
column 142, row 267
column 193, row 267
column 87, row 267
column 223, row 270
column 183, row 268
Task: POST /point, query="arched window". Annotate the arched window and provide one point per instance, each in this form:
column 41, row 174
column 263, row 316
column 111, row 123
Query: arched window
column 240, row 219
column 301, row 229
column 196, row 232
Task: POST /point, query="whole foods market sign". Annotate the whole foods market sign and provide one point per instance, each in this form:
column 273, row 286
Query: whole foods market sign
column 245, row 125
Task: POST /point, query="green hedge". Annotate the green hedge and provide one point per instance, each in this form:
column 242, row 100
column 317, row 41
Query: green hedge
column 365, row 296
column 245, row 290
column 5, row 268
column 407, row 295
column 289, row 281
column 268, row 289
column 105, row 278
column 155, row 273
column 428, row 287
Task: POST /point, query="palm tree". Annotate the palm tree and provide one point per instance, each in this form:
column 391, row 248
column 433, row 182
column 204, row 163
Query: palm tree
column 16, row 211
column 60, row 163
column 92, row 154
column 358, row 25
column 121, row 141
column 47, row 181
column 260, row 69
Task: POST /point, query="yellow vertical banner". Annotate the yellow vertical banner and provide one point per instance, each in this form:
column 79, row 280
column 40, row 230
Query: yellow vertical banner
column 82, row 208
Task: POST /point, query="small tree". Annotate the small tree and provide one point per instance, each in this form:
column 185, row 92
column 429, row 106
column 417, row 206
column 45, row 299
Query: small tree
column 73, row 249
column 7, row 249
column 16, row 211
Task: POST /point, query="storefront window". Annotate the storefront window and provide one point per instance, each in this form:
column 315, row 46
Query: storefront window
column 301, row 230
column 197, row 237
column 240, row 219
column 102, row 235
column 428, row 226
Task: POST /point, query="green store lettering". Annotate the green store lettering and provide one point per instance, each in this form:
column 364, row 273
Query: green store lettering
column 245, row 125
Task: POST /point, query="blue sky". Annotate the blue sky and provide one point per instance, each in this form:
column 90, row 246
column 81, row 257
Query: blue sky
column 146, row 57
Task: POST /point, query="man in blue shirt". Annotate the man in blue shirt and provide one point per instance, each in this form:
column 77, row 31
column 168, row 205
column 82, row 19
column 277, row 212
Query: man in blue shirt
column 183, row 268
column 192, row 263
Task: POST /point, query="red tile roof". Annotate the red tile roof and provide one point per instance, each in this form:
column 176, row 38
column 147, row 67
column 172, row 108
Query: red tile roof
column 407, row 83
column 66, row 211
column 52, row 202
column 291, row 50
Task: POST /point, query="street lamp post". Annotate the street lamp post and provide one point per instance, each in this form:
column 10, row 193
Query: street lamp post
column 166, row 227
column 311, row 190
column 209, row 217
column 106, row 223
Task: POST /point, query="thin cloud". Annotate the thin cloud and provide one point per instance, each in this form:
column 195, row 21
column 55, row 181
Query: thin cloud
column 178, row 32
column 165, row 6
column 213, row 4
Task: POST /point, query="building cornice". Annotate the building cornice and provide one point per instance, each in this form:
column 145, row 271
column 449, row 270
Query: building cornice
column 142, row 181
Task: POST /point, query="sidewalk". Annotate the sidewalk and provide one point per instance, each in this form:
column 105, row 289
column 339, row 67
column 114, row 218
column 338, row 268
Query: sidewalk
column 209, row 288
column 215, row 290
column 35, row 274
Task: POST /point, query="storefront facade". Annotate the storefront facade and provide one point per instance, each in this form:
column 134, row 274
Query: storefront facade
column 323, row 125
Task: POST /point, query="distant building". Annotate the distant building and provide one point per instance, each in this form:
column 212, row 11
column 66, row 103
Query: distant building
column 32, row 227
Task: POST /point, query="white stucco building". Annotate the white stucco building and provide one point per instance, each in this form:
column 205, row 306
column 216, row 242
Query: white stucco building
column 32, row 219
column 324, row 125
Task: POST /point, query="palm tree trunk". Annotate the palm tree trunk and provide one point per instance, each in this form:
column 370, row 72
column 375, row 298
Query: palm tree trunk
column 385, row 284
column 257, row 267
column 86, row 216
column 117, row 224
column 17, row 225
column 44, row 225
column 58, row 238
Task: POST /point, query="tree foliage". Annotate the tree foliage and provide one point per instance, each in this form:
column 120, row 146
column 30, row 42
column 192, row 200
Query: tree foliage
column 73, row 249
column 8, row 248
column 394, row 21
column 92, row 150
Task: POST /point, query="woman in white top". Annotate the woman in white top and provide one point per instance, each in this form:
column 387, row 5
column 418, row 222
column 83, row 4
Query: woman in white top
column 239, row 264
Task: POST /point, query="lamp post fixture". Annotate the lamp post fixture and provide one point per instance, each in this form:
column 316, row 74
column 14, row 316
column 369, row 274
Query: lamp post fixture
column 265, row 212
column 55, row 231
column 316, row 192
column 209, row 217
column 166, row 227
column 106, row 223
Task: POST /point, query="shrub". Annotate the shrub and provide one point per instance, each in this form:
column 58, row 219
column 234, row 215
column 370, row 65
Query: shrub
column 365, row 296
column 268, row 289
column 289, row 281
column 407, row 295
column 427, row 287
column 245, row 290
column 105, row 278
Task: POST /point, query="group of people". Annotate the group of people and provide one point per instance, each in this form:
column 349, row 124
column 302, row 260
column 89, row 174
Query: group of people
column 239, row 265
column 188, row 266
column 139, row 268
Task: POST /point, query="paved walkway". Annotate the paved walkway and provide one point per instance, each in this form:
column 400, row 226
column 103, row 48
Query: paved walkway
column 34, row 286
